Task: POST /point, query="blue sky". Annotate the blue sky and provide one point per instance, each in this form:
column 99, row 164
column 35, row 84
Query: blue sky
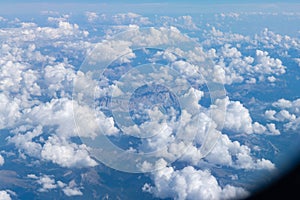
column 159, row 1
column 147, row 6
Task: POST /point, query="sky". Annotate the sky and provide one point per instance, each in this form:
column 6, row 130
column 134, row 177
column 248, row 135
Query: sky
column 158, row 1
column 151, row 7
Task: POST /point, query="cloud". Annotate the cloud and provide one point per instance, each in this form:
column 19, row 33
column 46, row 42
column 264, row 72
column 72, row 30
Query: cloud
column 4, row 195
column 237, row 117
column 9, row 111
column 66, row 154
column 268, row 65
column 36, row 103
column 48, row 183
column 269, row 114
column 232, row 153
column 239, row 67
column 71, row 189
column 288, row 114
column 118, row 19
column 271, row 40
column 282, row 103
column 297, row 61
column 1, row 160
column 190, row 183
column 91, row 16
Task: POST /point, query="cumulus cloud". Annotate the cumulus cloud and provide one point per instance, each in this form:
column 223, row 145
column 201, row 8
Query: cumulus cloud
column 271, row 40
column 4, row 195
column 9, row 111
column 66, row 155
column 267, row 64
column 48, row 183
column 1, row 160
column 289, row 114
column 237, row 117
column 91, row 16
column 232, row 153
column 37, row 108
column 190, row 183
column 71, row 189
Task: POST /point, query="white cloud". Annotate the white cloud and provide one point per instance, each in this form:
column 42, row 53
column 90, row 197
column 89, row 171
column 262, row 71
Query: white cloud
column 20, row 80
column 282, row 103
column 269, row 114
column 2, row 161
column 91, row 16
column 258, row 128
column 271, row 79
column 284, row 115
column 288, row 114
column 232, row 153
column 268, row 65
column 2, row 19
column 4, row 195
column 297, row 61
column 48, row 182
column 72, row 192
column 66, row 155
column 237, row 117
column 293, row 125
column 59, row 78
column 190, row 183
column 71, row 189
column 271, row 40
column 272, row 128
column 9, row 111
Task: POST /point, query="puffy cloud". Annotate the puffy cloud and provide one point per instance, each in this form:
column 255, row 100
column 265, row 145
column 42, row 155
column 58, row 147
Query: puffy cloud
column 232, row 153
column 293, row 125
column 9, row 111
column 284, row 115
column 11, row 76
column 258, row 128
column 268, row 65
column 233, row 15
column 190, row 183
column 59, row 78
column 48, row 182
column 21, row 81
column 119, row 19
column 289, row 114
column 4, row 195
column 269, row 114
column 297, row 61
column 238, row 67
column 59, row 114
column 271, row 40
column 230, row 52
column 66, row 155
column 24, row 141
column 225, row 152
column 1, row 160
column 282, row 103
column 271, row 79
column 237, row 117
column 71, row 189
column 183, row 22
column 272, row 129
column 91, row 16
